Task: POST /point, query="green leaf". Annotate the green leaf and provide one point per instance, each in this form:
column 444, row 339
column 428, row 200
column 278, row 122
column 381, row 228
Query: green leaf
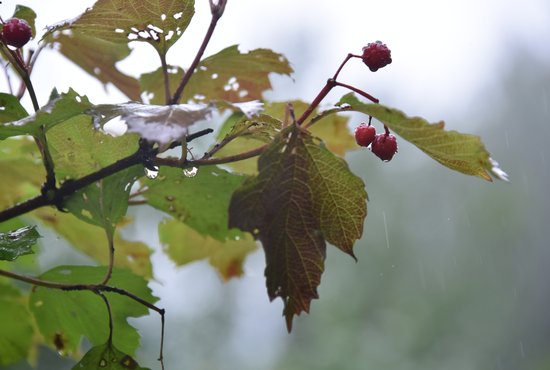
column 18, row 242
column 302, row 197
column 200, row 202
column 26, row 13
column 464, row 153
column 10, row 110
column 16, row 333
column 184, row 245
column 159, row 124
column 24, row 173
column 79, row 149
column 105, row 202
column 157, row 22
column 98, row 58
column 59, row 110
column 107, row 357
column 64, row 317
column 91, row 241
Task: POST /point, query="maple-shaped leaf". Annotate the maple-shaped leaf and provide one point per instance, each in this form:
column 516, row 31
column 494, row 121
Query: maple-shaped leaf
column 464, row 153
column 108, row 357
column 99, row 38
column 185, row 245
column 161, row 124
column 64, row 317
column 229, row 75
column 302, row 197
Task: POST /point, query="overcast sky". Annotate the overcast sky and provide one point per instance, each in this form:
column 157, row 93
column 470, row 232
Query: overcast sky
column 444, row 52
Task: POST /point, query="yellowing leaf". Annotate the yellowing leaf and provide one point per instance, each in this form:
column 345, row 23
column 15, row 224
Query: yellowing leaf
column 184, row 245
column 21, row 164
column 460, row 152
column 302, row 197
column 91, row 241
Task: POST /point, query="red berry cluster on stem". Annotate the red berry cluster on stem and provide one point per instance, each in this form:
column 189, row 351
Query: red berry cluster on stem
column 384, row 146
column 16, row 32
column 376, row 55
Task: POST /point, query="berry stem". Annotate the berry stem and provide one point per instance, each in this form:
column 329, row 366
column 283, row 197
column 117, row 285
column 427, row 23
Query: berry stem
column 358, row 91
column 322, row 94
column 348, row 57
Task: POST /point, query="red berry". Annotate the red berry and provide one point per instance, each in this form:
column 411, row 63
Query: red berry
column 376, row 55
column 16, row 32
column 384, row 146
column 364, row 134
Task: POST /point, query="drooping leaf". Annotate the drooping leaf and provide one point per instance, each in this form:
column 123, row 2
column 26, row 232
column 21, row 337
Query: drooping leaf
column 59, row 110
column 16, row 332
column 26, row 13
column 161, row 124
column 98, row 57
column 17, row 242
column 23, row 171
column 10, row 110
column 302, row 197
column 91, row 241
column 107, row 357
column 200, row 201
column 185, row 245
column 64, row 317
column 460, row 152
column 79, row 149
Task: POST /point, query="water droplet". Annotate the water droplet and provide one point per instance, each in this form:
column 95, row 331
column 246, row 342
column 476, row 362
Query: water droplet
column 190, row 172
column 102, row 363
column 152, row 172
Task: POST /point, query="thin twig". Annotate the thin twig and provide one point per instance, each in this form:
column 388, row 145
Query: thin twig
column 175, row 162
column 217, row 11
column 110, row 313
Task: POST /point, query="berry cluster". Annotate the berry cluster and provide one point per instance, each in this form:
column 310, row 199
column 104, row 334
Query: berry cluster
column 16, row 32
column 384, row 146
column 376, row 55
